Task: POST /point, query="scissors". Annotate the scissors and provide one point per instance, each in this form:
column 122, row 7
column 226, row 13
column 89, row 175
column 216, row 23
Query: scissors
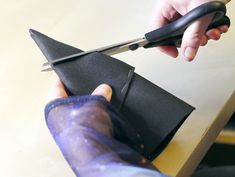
column 170, row 34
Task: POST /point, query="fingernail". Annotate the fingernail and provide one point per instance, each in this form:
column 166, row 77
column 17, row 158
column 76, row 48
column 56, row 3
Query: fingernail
column 103, row 90
column 190, row 53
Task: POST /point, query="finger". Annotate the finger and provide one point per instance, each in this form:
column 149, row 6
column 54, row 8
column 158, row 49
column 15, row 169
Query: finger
column 169, row 50
column 57, row 90
column 103, row 90
column 204, row 40
column 193, row 36
column 161, row 18
column 223, row 29
column 213, row 34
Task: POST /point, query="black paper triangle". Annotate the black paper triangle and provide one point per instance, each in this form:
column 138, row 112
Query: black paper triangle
column 154, row 113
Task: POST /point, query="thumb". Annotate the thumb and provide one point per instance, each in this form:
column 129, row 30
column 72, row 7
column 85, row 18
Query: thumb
column 193, row 36
column 103, row 90
column 57, row 90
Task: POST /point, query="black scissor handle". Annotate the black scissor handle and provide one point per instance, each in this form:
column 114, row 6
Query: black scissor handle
column 172, row 33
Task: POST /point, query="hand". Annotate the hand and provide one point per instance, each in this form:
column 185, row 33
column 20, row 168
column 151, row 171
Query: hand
column 195, row 36
column 58, row 91
column 89, row 130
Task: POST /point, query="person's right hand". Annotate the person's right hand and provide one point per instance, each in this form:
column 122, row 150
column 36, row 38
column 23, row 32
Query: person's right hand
column 195, row 36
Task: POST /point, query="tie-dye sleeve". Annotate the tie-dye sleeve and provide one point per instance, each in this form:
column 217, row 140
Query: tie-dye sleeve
column 92, row 138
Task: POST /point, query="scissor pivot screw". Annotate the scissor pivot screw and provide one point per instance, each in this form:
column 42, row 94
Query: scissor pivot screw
column 134, row 47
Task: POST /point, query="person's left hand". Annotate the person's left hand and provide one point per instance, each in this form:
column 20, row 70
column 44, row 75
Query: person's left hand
column 58, row 91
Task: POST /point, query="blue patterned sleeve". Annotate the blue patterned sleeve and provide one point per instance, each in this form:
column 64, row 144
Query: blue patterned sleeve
column 92, row 139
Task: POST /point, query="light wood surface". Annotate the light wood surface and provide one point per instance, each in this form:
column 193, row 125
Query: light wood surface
column 226, row 137
column 27, row 148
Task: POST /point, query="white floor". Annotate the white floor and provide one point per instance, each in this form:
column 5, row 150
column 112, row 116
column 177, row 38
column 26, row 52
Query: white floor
column 27, row 149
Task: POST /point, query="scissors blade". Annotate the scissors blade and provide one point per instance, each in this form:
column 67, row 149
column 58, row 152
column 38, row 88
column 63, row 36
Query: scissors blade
column 126, row 47
column 107, row 50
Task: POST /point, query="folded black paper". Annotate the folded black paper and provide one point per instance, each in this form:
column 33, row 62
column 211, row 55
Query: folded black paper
column 154, row 113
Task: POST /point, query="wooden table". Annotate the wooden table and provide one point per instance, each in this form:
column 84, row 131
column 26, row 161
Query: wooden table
column 27, row 148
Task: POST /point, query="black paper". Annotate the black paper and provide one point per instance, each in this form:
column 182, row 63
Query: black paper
column 154, row 113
